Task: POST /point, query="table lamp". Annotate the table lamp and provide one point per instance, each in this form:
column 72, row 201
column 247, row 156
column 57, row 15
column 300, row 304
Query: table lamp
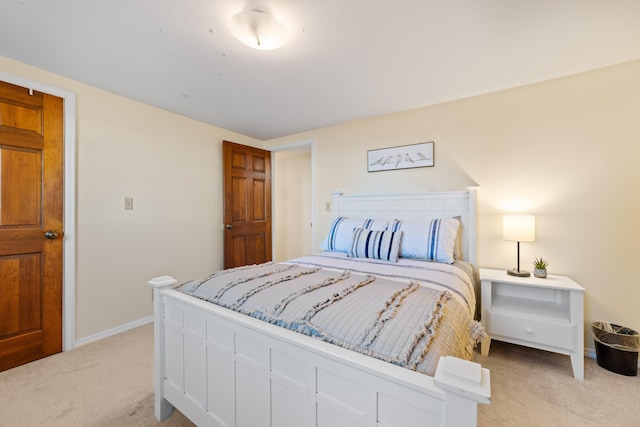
column 519, row 228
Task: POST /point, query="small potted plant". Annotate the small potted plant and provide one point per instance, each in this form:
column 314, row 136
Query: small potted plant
column 540, row 267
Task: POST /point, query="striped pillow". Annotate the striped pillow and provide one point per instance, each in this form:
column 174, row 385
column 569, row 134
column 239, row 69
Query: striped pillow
column 375, row 244
column 433, row 240
column 341, row 232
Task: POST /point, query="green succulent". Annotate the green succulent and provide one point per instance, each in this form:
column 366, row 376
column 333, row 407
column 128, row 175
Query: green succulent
column 540, row 263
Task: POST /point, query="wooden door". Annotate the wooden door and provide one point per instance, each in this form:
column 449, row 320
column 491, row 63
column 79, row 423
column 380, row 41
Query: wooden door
column 247, row 205
column 31, row 204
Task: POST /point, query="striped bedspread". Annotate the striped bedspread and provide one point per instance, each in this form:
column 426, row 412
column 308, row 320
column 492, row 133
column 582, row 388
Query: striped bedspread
column 401, row 313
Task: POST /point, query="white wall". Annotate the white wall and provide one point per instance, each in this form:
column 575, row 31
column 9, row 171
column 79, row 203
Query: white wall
column 565, row 150
column 172, row 167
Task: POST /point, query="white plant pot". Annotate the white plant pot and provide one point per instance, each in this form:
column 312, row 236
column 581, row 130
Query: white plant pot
column 540, row 272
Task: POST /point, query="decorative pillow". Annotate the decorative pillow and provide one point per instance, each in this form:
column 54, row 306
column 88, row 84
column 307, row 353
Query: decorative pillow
column 375, row 244
column 341, row 232
column 433, row 240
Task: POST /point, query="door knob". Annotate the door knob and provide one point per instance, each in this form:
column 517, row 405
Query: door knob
column 51, row 234
column 228, row 226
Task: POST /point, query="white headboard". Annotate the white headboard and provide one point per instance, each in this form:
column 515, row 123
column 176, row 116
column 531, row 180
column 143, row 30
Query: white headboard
column 417, row 206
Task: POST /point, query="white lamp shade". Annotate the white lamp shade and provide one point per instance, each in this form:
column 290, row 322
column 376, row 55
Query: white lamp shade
column 519, row 228
column 258, row 30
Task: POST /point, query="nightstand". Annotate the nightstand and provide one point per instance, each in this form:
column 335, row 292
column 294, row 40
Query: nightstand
column 542, row 313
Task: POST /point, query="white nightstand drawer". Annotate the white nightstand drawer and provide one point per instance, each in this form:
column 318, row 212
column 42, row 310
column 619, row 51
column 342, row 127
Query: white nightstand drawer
column 556, row 334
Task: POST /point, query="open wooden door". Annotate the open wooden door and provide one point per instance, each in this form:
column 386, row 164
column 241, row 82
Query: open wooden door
column 247, row 205
column 31, row 214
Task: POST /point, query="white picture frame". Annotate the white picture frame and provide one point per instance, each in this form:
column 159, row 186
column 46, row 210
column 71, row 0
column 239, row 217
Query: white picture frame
column 401, row 157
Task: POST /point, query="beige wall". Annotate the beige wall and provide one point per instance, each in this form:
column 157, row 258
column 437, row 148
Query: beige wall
column 292, row 203
column 566, row 150
column 171, row 166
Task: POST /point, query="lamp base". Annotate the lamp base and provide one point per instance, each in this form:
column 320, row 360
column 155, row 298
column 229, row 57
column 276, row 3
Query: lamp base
column 518, row 273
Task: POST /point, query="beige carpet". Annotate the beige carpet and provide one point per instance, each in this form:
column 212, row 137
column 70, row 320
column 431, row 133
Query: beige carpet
column 536, row 388
column 108, row 383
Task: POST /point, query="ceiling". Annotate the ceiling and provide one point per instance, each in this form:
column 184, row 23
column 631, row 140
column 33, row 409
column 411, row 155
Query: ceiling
column 344, row 60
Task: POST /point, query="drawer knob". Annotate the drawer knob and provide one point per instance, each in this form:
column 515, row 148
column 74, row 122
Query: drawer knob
column 529, row 331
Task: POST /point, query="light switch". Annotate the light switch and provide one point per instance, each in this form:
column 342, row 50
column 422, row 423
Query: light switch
column 128, row 203
column 327, row 206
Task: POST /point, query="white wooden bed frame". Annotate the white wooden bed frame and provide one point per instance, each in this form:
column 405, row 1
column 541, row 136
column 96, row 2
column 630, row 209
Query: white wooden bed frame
column 222, row 368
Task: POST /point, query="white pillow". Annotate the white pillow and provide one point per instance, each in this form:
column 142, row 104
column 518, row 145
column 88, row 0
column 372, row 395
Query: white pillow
column 375, row 244
column 341, row 232
column 433, row 239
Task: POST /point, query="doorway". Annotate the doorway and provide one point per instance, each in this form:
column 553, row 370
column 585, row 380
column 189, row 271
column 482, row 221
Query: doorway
column 31, row 194
column 247, row 205
column 293, row 202
column 69, row 202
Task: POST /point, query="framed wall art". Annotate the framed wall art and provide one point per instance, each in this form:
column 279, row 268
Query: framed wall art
column 402, row 157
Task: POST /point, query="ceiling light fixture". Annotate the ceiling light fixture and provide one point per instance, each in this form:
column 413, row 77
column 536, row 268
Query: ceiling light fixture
column 258, row 30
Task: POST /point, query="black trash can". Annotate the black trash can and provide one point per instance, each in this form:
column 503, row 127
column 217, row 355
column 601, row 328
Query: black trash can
column 616, row 348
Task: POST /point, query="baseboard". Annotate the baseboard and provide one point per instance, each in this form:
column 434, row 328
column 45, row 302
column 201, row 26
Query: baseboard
column 115, row 331
column 590, row 353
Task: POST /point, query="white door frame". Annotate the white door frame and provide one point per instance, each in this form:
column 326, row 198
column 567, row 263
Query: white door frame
column 300, row 144
column 69, row 239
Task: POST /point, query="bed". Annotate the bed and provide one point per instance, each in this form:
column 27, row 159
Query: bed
column 222, row 367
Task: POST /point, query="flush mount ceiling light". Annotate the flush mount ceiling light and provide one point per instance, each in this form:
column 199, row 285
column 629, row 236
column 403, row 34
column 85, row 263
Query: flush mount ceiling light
column 258, row 30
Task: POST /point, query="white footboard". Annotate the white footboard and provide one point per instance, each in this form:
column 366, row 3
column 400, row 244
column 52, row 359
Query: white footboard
column 221, row 368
